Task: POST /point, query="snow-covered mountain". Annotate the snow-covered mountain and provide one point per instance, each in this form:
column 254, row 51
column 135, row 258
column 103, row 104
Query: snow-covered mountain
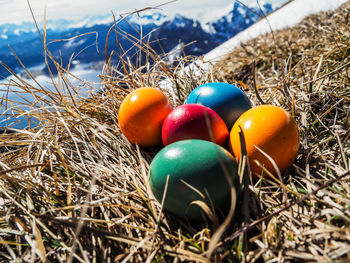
column 165, row 33
column 238, row 19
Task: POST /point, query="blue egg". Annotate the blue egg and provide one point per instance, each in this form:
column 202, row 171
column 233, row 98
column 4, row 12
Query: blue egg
column 227, row 100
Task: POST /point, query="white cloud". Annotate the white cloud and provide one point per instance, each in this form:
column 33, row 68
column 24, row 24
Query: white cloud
column 16, row 11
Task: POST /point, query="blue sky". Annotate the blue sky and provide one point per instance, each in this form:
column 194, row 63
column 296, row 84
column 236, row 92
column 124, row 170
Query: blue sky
column 16, row 11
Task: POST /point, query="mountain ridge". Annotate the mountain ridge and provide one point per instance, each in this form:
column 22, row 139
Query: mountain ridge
column 93, row 32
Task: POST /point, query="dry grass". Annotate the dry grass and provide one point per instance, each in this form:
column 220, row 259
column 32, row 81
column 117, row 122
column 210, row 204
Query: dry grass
column 74, row 189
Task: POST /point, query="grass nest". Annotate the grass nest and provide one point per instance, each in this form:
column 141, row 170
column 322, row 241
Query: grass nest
column 73, row 189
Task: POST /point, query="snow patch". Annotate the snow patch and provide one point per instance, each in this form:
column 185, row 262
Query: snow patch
column 174, row 54
column 243, row 10
column 148, row 17
column 73, row 42
column 207, row 18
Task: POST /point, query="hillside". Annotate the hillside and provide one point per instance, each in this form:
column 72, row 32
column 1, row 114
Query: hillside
column 75, row 190
column 304, row 69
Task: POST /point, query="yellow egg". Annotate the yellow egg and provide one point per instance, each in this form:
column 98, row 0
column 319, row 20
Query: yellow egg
column 273, row 131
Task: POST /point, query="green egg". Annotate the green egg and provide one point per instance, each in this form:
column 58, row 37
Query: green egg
column 196, row 163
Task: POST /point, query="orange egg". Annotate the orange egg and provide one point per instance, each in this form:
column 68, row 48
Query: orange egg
column 271, row 129
column 141, row 116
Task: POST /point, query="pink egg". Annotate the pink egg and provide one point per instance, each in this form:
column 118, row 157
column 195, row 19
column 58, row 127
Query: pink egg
column 194, row 121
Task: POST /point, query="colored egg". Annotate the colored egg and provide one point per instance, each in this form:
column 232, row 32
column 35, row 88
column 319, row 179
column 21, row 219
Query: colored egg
column 192, row 164
column 225, row 99
column 141, row 116
column 194, row 121
column 271, row 129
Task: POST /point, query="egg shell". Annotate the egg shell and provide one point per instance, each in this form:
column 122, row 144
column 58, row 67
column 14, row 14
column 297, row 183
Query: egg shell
column 194, row 121
column 225, row 99
column 141, row 116
column 198, row 163
column 273, row 130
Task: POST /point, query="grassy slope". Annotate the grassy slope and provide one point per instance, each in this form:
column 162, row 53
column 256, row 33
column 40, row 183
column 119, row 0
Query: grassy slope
column 76, row 189
column 304, row 69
